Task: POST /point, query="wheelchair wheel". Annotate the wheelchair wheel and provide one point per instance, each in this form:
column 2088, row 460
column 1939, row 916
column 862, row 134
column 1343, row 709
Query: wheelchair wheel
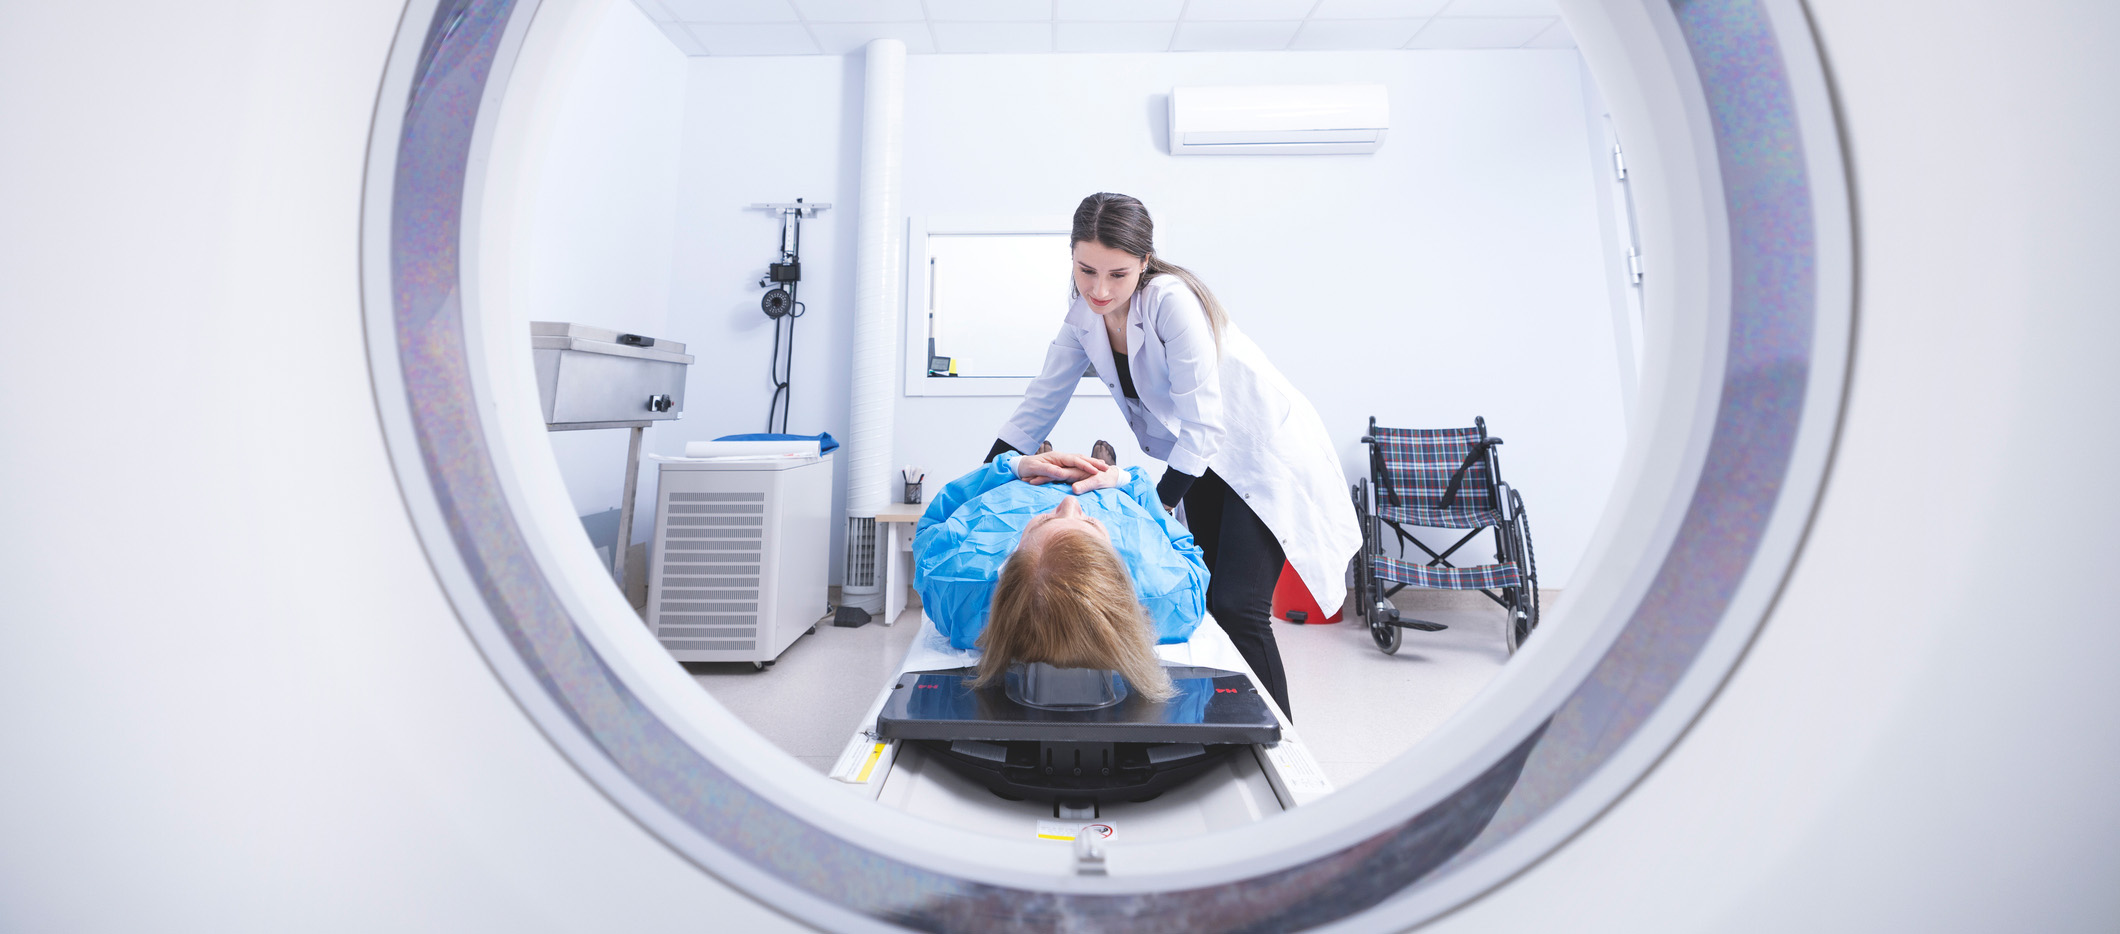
column 1381, row 629
column 1361, row 558
column 1514, row 630
column 1524, row 609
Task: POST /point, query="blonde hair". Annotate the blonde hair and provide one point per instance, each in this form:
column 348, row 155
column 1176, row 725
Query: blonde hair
column 1070, row 604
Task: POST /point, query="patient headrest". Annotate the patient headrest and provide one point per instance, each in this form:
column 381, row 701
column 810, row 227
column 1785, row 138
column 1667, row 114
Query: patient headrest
column 1038, row 684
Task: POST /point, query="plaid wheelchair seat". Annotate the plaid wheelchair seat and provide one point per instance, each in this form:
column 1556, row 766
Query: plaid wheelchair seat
column 1435, row 577
column 1456, row 517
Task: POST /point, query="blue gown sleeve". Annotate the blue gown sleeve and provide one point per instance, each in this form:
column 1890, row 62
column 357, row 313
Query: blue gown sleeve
column 1170, row 577
column 1142, row 491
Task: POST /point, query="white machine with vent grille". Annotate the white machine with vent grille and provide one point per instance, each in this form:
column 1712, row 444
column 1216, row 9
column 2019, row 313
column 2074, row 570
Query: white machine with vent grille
column 737, row 566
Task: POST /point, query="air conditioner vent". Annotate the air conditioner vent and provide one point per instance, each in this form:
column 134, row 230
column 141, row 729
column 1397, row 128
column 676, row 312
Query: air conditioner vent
column 1279, row 119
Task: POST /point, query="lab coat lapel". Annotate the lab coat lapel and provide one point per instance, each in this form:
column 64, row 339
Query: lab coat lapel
column 1094, row 343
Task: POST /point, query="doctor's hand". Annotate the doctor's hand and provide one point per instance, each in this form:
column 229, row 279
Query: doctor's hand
column 1045, row 468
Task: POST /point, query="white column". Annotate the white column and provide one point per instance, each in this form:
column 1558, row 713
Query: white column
column 876, row 264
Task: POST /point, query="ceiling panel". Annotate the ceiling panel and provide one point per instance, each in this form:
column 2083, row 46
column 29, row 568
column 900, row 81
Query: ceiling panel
column 1556, row 36
column 861, row 11
column 1353, row 34
column 1233, row 37
column 730, row 11
column 1213, row 10
column 1453, row 32
column 1377, row 9
column 1113, row 37
column 1502, row 8
column 841, row 38
column 683, row 38
column 990, row 11
column 754, row 38
column 993, row 37
column 1113, row 11
column 837, row 27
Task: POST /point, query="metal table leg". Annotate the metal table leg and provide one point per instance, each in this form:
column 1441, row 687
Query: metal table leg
column 625, row 513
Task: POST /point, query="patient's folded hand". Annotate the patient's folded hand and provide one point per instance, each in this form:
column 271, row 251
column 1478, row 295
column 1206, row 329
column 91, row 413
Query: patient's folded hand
column 1105, row 479
column 1045, row 468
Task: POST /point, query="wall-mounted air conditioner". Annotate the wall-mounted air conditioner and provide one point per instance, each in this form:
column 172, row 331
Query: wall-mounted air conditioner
column 1287, row 118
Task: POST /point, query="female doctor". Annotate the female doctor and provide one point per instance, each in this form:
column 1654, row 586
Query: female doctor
column 1247, row 455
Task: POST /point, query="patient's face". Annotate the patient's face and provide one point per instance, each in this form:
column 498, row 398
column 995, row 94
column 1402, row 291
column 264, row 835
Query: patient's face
column 1067, row 518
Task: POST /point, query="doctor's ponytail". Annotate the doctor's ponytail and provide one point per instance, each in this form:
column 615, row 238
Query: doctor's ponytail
column 1121, row 222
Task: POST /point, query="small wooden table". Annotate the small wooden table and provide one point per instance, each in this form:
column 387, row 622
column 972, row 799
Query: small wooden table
column 896, row 565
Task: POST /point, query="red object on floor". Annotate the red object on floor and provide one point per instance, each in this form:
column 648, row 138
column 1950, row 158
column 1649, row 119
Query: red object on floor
column 1290, row 594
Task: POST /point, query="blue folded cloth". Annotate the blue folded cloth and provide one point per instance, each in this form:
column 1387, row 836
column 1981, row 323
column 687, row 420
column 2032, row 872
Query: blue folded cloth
column 825, row 442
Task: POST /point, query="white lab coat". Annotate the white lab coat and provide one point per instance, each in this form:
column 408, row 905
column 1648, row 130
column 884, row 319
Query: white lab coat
column 1198, row 409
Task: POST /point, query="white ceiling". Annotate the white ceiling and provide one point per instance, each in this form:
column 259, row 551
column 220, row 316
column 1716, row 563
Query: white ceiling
column 835, row 27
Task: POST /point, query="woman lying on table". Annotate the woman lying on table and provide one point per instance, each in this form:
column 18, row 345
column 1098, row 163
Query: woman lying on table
column 1061, row 559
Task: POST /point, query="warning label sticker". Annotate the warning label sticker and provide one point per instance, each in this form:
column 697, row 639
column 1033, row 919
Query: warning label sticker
column 1298, row 771
column 1067, row 830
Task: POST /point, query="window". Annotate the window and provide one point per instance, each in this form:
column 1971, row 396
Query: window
column 989, row 293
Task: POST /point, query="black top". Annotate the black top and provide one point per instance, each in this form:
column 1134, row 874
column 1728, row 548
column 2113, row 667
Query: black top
column 1126, row 376
column 1172, row 487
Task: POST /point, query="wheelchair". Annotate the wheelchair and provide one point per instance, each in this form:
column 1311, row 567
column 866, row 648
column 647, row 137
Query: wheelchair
column 1440, row 479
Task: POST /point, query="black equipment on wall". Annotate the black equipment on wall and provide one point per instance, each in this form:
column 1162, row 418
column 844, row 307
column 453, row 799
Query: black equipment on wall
column 783, row 280
column 776, row 302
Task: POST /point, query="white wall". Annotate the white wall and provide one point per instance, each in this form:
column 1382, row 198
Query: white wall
column 1455, row 272
column 765, row 130
column 590, row 211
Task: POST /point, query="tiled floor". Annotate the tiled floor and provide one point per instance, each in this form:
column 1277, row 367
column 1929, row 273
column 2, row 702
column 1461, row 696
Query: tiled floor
column 809, row 702
column 1357, row 707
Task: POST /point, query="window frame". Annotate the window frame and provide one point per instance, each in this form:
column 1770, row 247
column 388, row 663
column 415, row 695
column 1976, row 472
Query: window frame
column 913, row 351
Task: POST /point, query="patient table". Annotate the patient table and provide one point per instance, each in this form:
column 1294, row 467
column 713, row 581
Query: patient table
column 1257, row 782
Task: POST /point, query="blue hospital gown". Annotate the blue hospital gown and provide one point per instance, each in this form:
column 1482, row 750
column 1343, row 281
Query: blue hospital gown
column 972, row 526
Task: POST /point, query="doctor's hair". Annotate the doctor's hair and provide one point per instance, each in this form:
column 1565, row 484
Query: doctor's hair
column 1121, row 222
column 1071, row 604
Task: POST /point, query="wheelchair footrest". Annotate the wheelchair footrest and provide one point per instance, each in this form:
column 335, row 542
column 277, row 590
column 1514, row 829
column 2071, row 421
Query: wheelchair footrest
column 1392, row 618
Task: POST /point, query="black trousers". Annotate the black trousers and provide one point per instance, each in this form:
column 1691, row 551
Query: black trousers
column 1243, row 564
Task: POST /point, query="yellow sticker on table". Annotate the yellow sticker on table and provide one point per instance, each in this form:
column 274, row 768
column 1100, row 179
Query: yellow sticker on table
column 869, row 766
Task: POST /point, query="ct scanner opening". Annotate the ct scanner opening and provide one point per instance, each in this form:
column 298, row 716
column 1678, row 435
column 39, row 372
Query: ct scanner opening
column 1742, row 203
column 1486, row 174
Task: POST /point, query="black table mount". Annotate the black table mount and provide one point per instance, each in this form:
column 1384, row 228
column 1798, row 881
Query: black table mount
column 1093, row 745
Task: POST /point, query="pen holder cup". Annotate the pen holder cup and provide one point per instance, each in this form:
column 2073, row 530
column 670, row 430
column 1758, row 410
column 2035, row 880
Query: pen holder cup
column 913, row 489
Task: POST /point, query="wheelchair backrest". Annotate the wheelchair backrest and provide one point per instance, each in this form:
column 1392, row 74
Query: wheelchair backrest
column 1418, row 462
